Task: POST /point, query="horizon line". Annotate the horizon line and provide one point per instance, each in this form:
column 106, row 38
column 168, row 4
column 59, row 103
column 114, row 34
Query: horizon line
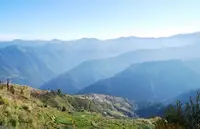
column 101, row 39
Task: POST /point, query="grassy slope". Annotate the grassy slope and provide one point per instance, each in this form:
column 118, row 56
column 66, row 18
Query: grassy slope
column 27, row 109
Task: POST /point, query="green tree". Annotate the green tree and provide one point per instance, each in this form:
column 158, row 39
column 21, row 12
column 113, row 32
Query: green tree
column 59, row 92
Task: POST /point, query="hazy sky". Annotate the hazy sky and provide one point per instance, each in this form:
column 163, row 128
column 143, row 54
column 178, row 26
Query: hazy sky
column 72, row 19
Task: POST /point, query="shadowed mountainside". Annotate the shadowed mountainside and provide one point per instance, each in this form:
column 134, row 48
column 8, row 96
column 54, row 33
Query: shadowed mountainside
column 149, row 81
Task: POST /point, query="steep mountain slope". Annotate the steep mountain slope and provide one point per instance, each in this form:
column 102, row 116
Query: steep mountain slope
column 85, row 74
column 184, row 97
column 149, row 81
column 56, row 57
column 92, row 71
column 62, row 56
column 31, row 108
column 23, row 66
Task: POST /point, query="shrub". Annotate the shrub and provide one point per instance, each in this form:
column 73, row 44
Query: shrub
column 163, row 124
column 3, row 101
column 12, row 90
column 63, row 108
column 186, row 115
column 82, row 110
column 2, row 121
column 25, row 107
column 14, row 122
column 59, row 92
column 22, row 91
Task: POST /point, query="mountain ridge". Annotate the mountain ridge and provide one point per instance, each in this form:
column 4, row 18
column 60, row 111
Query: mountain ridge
column 166, row 77
column 90, row 71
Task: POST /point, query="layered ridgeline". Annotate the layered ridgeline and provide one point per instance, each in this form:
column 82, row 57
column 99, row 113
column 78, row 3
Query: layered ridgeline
column 150, row 81
column 57, row 56
column 92, row 71
column 23, row 66
column 184, row 97
column 25, row 107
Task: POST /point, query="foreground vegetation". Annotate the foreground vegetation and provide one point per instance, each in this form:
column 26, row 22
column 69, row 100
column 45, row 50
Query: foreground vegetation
column 182, row 116
column 24, row 107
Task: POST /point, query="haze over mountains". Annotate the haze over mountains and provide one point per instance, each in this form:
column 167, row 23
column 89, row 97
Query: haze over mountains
column 150, row 81
column 132, row 67
column 23, row 66
column 91, row 71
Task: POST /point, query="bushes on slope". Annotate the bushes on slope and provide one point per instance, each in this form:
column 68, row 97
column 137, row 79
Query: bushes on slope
column 184, row 116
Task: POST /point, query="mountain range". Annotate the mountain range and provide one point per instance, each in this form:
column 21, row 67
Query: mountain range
column 23, row 66
column 91, row 71
column 123, row 67
column 149, row 81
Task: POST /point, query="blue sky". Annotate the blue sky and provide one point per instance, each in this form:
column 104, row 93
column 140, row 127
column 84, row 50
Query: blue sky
column 104, row 19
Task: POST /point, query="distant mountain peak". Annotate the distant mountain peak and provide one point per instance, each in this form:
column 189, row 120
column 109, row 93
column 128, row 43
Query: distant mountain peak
column 15, row 48
column 88, row 39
